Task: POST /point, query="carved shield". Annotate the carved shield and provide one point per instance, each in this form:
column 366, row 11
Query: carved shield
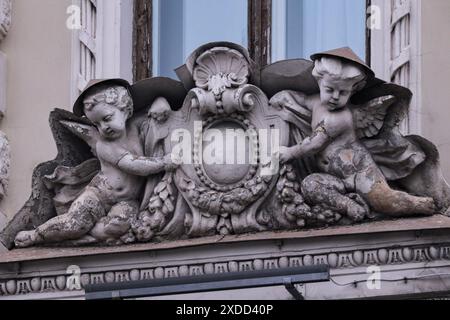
column 227, row 135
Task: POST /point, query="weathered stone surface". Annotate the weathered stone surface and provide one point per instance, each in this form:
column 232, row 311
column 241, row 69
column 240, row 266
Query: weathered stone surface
column 140, row 172
column 350, row 252
column 39, row 208
column 5, row 17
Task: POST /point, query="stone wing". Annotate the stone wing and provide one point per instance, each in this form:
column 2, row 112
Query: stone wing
column 369, row 118
column 87, row 133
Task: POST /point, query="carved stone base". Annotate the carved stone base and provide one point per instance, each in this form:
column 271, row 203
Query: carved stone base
column 415, row 249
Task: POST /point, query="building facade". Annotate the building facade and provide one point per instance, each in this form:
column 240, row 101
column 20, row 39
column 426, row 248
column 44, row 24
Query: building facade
column 50, row 49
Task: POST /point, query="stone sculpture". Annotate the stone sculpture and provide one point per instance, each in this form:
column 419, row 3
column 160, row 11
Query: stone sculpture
column 106, row 207
column 324, row 150
column 352, row 181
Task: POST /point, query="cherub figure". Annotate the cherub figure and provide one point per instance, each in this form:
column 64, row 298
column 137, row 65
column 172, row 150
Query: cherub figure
column 347, row 166
column 108, row 204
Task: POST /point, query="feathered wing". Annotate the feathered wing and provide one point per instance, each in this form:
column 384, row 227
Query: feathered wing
column 370, row 118
column 378, row 112
column 383, row 100
column 72, row 151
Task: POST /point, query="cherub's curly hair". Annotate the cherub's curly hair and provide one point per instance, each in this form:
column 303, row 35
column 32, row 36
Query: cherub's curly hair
column 116, row 96
column 338, row 69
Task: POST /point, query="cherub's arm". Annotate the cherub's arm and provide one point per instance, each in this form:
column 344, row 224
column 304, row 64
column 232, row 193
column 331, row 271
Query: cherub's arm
column 145, row 166
column 134, row 164
column 310, row 146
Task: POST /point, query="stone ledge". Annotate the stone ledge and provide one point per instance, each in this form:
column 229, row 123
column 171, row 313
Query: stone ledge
column 403, row 248
column 436, row 222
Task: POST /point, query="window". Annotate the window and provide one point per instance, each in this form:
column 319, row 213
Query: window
column 102, row 48
column 85, row 51
column 396, row 52
column 301, row 28
column 272, row 29
column 180, row 26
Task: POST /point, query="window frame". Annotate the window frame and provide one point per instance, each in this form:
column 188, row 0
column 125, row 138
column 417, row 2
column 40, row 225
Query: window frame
column 142, row 40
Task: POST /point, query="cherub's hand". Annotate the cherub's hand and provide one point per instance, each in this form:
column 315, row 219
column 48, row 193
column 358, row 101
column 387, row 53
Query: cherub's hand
column 282, row 99
column 171, row 162
column 286, row 154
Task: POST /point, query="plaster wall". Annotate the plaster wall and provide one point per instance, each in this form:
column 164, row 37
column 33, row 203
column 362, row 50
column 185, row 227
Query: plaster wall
column 435, row 72
column 38, row 50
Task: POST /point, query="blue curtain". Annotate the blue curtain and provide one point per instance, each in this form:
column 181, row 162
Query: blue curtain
column 311, row 26
column 184, row 25
column 319, row 25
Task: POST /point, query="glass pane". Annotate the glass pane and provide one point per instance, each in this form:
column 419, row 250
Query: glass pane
column 180, row 26
column 304, row 27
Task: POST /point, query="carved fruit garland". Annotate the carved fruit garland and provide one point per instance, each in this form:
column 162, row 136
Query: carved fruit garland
column 160, row 210
column 225, row 203
column 162, row 204
column 294, row 207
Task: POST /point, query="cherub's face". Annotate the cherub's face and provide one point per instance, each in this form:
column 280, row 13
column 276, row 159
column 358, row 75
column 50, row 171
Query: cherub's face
column 335, row 93
column 109, row 120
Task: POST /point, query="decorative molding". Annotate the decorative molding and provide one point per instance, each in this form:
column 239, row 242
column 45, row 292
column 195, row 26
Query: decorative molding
column 338, row 260
column 3, row 79
column 5, row 17
column 5, row 163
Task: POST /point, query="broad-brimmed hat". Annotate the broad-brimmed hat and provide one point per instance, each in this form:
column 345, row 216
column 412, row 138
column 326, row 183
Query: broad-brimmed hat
column 347, row 54
column 294, row 74
column 143, row 92
column 146, row 91
column 78, row 107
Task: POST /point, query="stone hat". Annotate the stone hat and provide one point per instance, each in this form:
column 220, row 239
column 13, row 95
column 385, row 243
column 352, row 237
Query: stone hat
column 78, row 107
column 294, row 74
column 347, row 54
column 146, row 91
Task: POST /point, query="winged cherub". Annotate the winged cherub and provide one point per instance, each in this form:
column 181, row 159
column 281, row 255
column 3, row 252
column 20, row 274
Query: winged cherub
column 347, row 166
column 115, row 140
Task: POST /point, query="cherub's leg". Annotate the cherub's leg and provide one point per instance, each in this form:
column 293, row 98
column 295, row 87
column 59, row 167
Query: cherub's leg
column 81, row 218
column 330, row 191
column 373, row 187
column 118, row 221
column 427, row 179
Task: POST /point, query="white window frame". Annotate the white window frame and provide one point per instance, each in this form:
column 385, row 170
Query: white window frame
column 113, row 45
column 385, row 65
